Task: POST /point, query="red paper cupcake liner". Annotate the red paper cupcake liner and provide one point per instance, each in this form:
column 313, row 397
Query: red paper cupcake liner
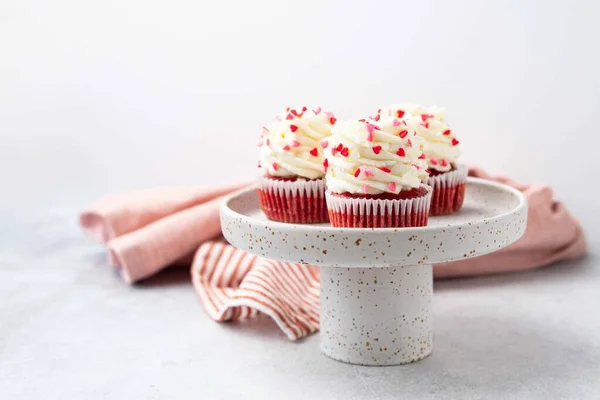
column 294, row 201
column 448, row 191
column 352, row 212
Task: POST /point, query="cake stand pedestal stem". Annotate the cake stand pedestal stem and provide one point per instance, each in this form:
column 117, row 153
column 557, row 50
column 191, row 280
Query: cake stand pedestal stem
column 377, row 316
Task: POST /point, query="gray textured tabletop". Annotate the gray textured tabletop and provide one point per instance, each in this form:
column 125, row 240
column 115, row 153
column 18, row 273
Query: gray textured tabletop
column 71, row 329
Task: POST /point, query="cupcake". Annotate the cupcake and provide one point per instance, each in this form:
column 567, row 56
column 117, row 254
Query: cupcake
column 440, row 147
column 291, row 156
column 375, row 174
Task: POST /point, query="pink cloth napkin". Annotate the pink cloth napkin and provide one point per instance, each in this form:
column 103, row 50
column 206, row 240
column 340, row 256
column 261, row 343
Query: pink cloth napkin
column 552, row 234
column 147, row 231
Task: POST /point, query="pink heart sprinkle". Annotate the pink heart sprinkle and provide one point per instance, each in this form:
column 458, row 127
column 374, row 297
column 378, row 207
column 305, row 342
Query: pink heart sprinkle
column 317, row 110
column 392, row 186
column 370, row 127
column 295, row 143
column 396, row 123
column 367, row 173
column 324, row 144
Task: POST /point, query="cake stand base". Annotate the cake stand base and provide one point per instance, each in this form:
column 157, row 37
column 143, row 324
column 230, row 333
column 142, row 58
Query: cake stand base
column 377, row 316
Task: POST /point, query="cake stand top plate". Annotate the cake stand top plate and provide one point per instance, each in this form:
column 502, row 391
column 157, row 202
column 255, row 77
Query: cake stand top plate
column 492, row 217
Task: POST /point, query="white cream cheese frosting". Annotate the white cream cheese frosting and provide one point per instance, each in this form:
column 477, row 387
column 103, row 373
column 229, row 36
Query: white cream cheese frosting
column 374, row 157
column 292, row 146
column 440, row 144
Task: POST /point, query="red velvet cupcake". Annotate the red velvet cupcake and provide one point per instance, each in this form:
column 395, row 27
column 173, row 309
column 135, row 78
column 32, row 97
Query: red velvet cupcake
column 448, row 189
column 292, row 156
column 440, row 151
column 375, row 176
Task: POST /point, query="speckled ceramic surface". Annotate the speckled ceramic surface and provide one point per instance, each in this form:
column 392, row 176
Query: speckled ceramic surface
column 376, row 316
column 376, row 305
column 493, row 216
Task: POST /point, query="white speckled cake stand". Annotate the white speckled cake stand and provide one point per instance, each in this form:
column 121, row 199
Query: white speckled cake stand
column 377, row 284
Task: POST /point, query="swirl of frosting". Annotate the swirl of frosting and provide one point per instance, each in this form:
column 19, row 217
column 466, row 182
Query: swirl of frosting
column 370, row 157
column 440, row 143
column 292, row 145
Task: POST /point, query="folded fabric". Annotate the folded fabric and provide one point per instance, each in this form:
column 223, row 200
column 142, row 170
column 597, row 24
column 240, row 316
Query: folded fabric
column 235, row 285
column 147, row 231
column 552, row 234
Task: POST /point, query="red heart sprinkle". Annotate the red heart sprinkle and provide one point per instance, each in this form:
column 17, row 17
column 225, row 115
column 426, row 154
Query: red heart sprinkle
column 379, row 111
column 376, row 118
column 286, row 148
column 444, row 163
column 362, row 120
column 376, row 149
column 294, row 112
column 422, row 156
column 447, row 132
column 314, row 152
column 425, row 117
column 357, row 172
column 433, row 161
column 275, row 166
column 294, row 128
column 326, row 164
column 289, row 117
column 401, row 152
column 403, row 134
column 304, row 109
column 400, row 113
column 454, row 142
column 385, row 169
column 332, row 120
column 345, row 152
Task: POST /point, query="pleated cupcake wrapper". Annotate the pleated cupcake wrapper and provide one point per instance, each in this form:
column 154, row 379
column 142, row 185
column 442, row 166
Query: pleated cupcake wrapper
column 300, row 201
column 448, row 191
column 350, row 212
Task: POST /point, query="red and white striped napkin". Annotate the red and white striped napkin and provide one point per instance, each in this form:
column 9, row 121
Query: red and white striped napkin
column 235, row 285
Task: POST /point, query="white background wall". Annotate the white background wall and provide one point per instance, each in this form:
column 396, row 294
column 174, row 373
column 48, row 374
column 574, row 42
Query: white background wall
column 108, row 95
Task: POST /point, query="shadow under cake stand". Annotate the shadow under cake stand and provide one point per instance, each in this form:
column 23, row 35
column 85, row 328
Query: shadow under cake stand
column 377, row 284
